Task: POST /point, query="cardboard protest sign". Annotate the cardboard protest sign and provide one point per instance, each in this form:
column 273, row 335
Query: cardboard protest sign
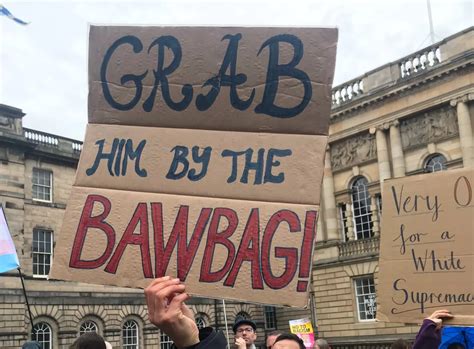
column 303, row 329
column 228, row 248
column 240, row 165
column 275, row 80
column 203, row 160
column 427, row 247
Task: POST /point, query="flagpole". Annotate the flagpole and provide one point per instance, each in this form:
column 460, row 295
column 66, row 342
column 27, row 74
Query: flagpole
column 26, row 297
column 225, row 321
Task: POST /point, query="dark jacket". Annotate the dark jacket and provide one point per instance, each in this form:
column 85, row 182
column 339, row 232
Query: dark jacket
column 428, row 336
column 210, row 339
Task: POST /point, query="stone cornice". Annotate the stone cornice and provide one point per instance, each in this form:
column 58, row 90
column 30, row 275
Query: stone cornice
column 402, row 85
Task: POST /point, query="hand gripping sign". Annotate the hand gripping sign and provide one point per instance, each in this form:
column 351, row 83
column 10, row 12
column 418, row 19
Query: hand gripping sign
column 203, row 160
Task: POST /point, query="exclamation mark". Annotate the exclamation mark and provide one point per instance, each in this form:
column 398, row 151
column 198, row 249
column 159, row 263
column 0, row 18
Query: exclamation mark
column 306, row 250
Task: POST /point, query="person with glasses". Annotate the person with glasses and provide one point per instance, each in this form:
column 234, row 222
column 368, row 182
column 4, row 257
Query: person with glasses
column 245, row 332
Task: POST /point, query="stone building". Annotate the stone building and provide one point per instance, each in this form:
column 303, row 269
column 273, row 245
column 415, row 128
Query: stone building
column 37, row 171
column 411, row 116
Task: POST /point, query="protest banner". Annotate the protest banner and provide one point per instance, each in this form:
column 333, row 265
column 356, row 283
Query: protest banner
column 240, row 165
column 203, row 159
column 427, row 247
column 275, row 80
column 303, row 329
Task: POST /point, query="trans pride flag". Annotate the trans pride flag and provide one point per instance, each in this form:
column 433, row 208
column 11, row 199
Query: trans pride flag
column 8, row 256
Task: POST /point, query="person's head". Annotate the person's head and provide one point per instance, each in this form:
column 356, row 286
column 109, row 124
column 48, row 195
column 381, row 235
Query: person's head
column 288, row 341
column 271, row 337
column 89, row 340
column 400, row 344
column 456, row 346
column 246, row 329
column 31, row 345
column 321, row 344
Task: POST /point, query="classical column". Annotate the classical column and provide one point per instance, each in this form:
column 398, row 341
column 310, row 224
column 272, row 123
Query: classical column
column 397, row 150
column 465, row 129
column 382, row 153
column 330, row 211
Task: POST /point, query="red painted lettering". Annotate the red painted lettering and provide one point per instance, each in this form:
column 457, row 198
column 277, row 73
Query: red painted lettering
column 222, row 238
column 249, row 250
column 140, row 216
column 179, row 236
column 289, row 254
column 98, row 222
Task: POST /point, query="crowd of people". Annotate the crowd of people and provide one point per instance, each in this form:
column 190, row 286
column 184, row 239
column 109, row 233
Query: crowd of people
column 166, row 297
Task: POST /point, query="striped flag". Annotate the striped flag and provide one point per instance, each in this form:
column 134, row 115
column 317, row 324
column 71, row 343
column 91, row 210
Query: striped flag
column 5, row 12
column 8, row 256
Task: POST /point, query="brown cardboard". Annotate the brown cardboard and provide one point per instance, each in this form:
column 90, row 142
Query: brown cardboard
column 279, row 242
column 202, row 55
column 442, row 231
column 292, row 178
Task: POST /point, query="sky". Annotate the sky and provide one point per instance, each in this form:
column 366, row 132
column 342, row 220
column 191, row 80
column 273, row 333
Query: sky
column 43, row 66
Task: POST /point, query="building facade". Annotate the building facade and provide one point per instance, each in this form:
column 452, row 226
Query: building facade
column 37, row 171
column 411, row 116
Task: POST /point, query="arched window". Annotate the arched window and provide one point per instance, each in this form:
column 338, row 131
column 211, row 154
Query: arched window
column 130, row 335
column 88, row 326
column 165, row 341
column 200, row 321
column 243, row 315
column 435, row 163
column 43, row 334
column 361, row 209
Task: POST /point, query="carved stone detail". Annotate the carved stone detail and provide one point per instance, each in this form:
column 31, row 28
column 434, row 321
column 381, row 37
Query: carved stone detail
column 429, row 127
column 352, row 151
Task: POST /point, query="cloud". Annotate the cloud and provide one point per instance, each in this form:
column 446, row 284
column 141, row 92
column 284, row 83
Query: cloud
column 43, row 66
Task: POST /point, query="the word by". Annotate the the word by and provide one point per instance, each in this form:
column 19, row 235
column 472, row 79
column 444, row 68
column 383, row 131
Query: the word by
column 122, row 152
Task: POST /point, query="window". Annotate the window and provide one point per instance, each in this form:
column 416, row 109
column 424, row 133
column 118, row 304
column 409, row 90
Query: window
column 435, row 163
column 365, row 295
column 88, row 326
column 130, row 335
column 200, row 321
column 165, row 341
column 42, row 185
column 43, row 334
column 242, row 315
column 378, row 204
column 343, row 221
column 42, row 252
column 361, row 209
column 270, row 317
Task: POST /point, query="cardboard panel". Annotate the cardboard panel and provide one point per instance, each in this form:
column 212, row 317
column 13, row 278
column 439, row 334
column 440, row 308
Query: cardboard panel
column 426, row 253
column 221, row 248
column 239, row 165
column 275, row 80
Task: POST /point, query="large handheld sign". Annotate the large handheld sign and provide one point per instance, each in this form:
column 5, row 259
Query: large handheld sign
column 427, row 247
column 203, row 159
